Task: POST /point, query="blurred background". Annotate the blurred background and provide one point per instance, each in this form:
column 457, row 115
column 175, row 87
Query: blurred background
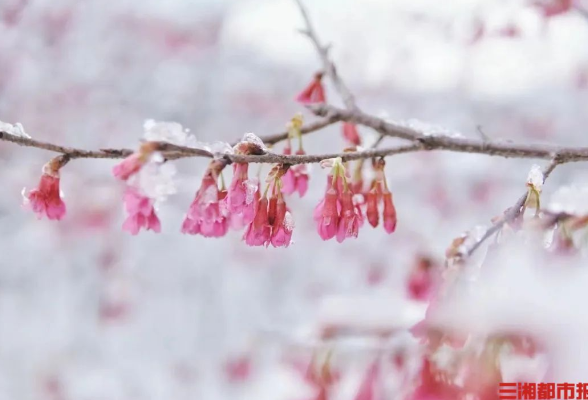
column 88, row 311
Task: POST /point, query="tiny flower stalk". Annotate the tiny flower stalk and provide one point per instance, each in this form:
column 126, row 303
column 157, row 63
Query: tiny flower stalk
column 46, row 198
column 296, row 177
column 133, row 163
column 314, row 92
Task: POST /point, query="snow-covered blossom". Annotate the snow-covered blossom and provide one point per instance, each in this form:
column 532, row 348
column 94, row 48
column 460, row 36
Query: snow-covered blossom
column 133, row 163
column 205, row 216
column 314, row 92
column 155, row 179
column 535, row 178
column 535, row 186
column 15, row 130
column 46, row 198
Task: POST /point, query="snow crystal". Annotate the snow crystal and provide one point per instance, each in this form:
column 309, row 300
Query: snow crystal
column 219, row 148
column 173, row 132
column 570, row 199
column 155, row 180
column 535, row 178
column 328, row 163
column 251, row 186
column 254, row 139
column 15, row 130
column 170, row 132
column 289, row 222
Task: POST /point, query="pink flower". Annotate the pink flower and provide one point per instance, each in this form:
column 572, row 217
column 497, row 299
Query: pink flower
column 296, row 177
column 373, row 216
column 348, row 219
column 258, row 232
column 46, row 199
column 205, row 216
column 389, row 214
column 282, row 226
column 238, row 190
column 314, row 92
column 141, row 213
column 127, row 167
column 552, row 8
column 367, row 388
column 422, row 279
column 133, row 163
column 326, row 215
column 350, row 133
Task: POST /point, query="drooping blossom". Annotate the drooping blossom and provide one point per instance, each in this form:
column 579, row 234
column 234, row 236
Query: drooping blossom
column 350, row 133
column 237, row 194
column 379, row 192
column 296, row 178
column 326, row 215
column 141, row 213
column 205, row 216
column 258, row 232
column 349, row 221
column 389, row 214
column 273, row 222
column 46, row 198
column 314, row 92
column 133, row 163
column 282, row 225
column 337, row 214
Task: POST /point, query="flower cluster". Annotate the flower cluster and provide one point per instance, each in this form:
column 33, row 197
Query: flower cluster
column 339, row 213
column 216, row 208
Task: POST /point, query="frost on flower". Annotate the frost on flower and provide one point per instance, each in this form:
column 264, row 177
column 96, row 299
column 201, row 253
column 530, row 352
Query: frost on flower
column 535, row 178
column 254, row 139
column 155, row 180
column 15, row 130
column 170, row 132
column 570, row 199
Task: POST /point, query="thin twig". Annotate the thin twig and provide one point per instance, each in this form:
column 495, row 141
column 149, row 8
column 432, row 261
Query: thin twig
column 510, row 215
column 328, row 65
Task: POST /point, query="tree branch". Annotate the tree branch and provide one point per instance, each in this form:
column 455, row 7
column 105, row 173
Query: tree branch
column 457, row 144
column 510, row 215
